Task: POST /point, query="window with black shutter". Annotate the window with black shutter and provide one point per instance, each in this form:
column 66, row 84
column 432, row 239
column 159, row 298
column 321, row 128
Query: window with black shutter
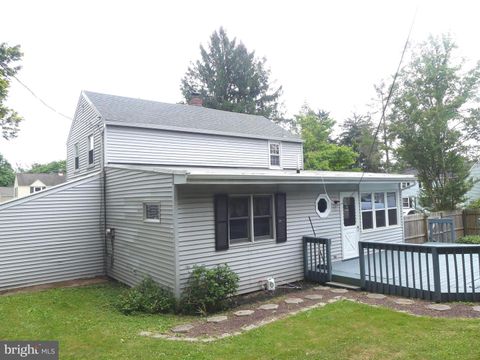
column 281, row 217
column 244, row 219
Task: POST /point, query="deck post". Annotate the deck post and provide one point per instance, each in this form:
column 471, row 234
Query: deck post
column 329, row 259
column 305, row 258
column 361, row 260
column 437, row 296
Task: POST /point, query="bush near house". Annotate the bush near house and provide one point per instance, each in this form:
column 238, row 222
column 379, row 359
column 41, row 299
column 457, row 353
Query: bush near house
column 147, row 297
column 469, row 239
column 209, row 290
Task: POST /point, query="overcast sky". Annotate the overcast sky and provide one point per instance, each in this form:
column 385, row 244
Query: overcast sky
column 328, row 54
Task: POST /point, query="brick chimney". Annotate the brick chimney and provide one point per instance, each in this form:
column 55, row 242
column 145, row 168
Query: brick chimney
column 196, row 99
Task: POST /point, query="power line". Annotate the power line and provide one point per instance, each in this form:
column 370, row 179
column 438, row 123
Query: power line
column 390, row 92
column 34, row 95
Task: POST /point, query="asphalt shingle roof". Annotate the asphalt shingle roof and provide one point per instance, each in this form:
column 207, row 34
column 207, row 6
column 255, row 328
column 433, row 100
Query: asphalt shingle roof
column 6, row 191
column 26, row 179
column 126, row 111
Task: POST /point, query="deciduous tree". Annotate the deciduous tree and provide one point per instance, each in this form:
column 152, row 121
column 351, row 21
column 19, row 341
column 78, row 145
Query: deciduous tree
column 435, row 117
column 9, row 119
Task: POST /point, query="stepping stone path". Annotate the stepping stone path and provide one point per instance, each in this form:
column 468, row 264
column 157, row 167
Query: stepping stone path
column 376, row 296
column 476, row 308
column 313, row 297
column 182, row 328
column 438, row 307
column 216, row 319
column 339, row 291
column 321, row 288
column 404, row 302
column 268, row 307
column 243, row 312
column 293, row 301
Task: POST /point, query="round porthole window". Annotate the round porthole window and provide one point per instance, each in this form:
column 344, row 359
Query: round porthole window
column 323, row 205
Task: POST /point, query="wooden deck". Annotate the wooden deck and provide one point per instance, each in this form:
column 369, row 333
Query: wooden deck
column 459, row 273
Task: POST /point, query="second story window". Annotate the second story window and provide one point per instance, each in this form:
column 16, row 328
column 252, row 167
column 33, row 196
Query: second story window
column 77, row 156
column 274, row 154
column 91, row 145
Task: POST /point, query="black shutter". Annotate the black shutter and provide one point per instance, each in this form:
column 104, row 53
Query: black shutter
column 221, row 222
column 281, row 217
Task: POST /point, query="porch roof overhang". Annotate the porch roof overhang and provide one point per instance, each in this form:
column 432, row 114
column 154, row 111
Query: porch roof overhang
column 202, row 175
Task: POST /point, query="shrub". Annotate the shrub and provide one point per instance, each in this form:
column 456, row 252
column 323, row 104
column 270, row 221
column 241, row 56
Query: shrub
column 469, row 239
column 209, row 290
column 474, row 204
column 147, row 297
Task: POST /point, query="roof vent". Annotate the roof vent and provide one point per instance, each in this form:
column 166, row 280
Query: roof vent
column 195, row 99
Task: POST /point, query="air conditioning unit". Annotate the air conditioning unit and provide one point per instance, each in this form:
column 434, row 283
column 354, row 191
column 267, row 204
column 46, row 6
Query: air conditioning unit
column 271, row 284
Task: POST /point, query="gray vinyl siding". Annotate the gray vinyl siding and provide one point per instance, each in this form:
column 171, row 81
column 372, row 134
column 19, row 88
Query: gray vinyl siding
column 160, row 147
column 140, row 248
column 474, row 193
column 53, row 235
column 86, row 122
column 254, row 262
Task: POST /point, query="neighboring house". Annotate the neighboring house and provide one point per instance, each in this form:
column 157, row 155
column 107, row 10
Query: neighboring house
column 6, row 193
column 474, row 193
column 26, row 183
column 410, row 193
column 163, row 187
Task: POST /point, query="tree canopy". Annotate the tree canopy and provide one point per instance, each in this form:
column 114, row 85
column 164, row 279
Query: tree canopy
column 9, row 119
column 358, row 133
column 320, row 151
column 231, row 78
column 435, row 115
column 7, row 175
column 51, row 167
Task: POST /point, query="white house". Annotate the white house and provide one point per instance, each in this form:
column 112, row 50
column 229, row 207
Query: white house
column 154, row 189
column 29, row 183
column 474, row 193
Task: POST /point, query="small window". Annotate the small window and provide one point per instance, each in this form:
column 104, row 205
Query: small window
column 91, row 146
column 406, row 202
column 274, row 154
column 349, row 217
column 239, row 219
column 323, row 205
column 151, row 212
column 250, row 218
column 77, row 156
column 379, row 210
column 34, row 189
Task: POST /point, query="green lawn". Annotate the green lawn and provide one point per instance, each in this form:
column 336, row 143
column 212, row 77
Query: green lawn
column 86, row 325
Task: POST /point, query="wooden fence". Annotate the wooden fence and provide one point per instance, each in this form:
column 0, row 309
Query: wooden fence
column 466, row 222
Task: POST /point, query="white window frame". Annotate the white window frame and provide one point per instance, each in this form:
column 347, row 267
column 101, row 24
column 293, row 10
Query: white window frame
column 35, row 189
column 279, row 143
column 91, row 147
column 329, row 205
column 385, row 209
column 251, row 238
column 76, row 155
column 145, row 204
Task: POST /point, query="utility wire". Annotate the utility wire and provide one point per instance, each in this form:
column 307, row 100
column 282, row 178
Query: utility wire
column 390, row 92
column 33, row 93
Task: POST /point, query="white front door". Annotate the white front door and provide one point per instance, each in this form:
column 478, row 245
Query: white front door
column 350, row 224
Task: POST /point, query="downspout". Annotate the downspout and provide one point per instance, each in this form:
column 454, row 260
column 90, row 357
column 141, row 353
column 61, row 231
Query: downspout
column 104, row 196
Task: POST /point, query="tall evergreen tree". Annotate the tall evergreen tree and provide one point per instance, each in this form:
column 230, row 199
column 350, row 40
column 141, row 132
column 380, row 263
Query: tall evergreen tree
column 435, row 115
column 231, row 78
